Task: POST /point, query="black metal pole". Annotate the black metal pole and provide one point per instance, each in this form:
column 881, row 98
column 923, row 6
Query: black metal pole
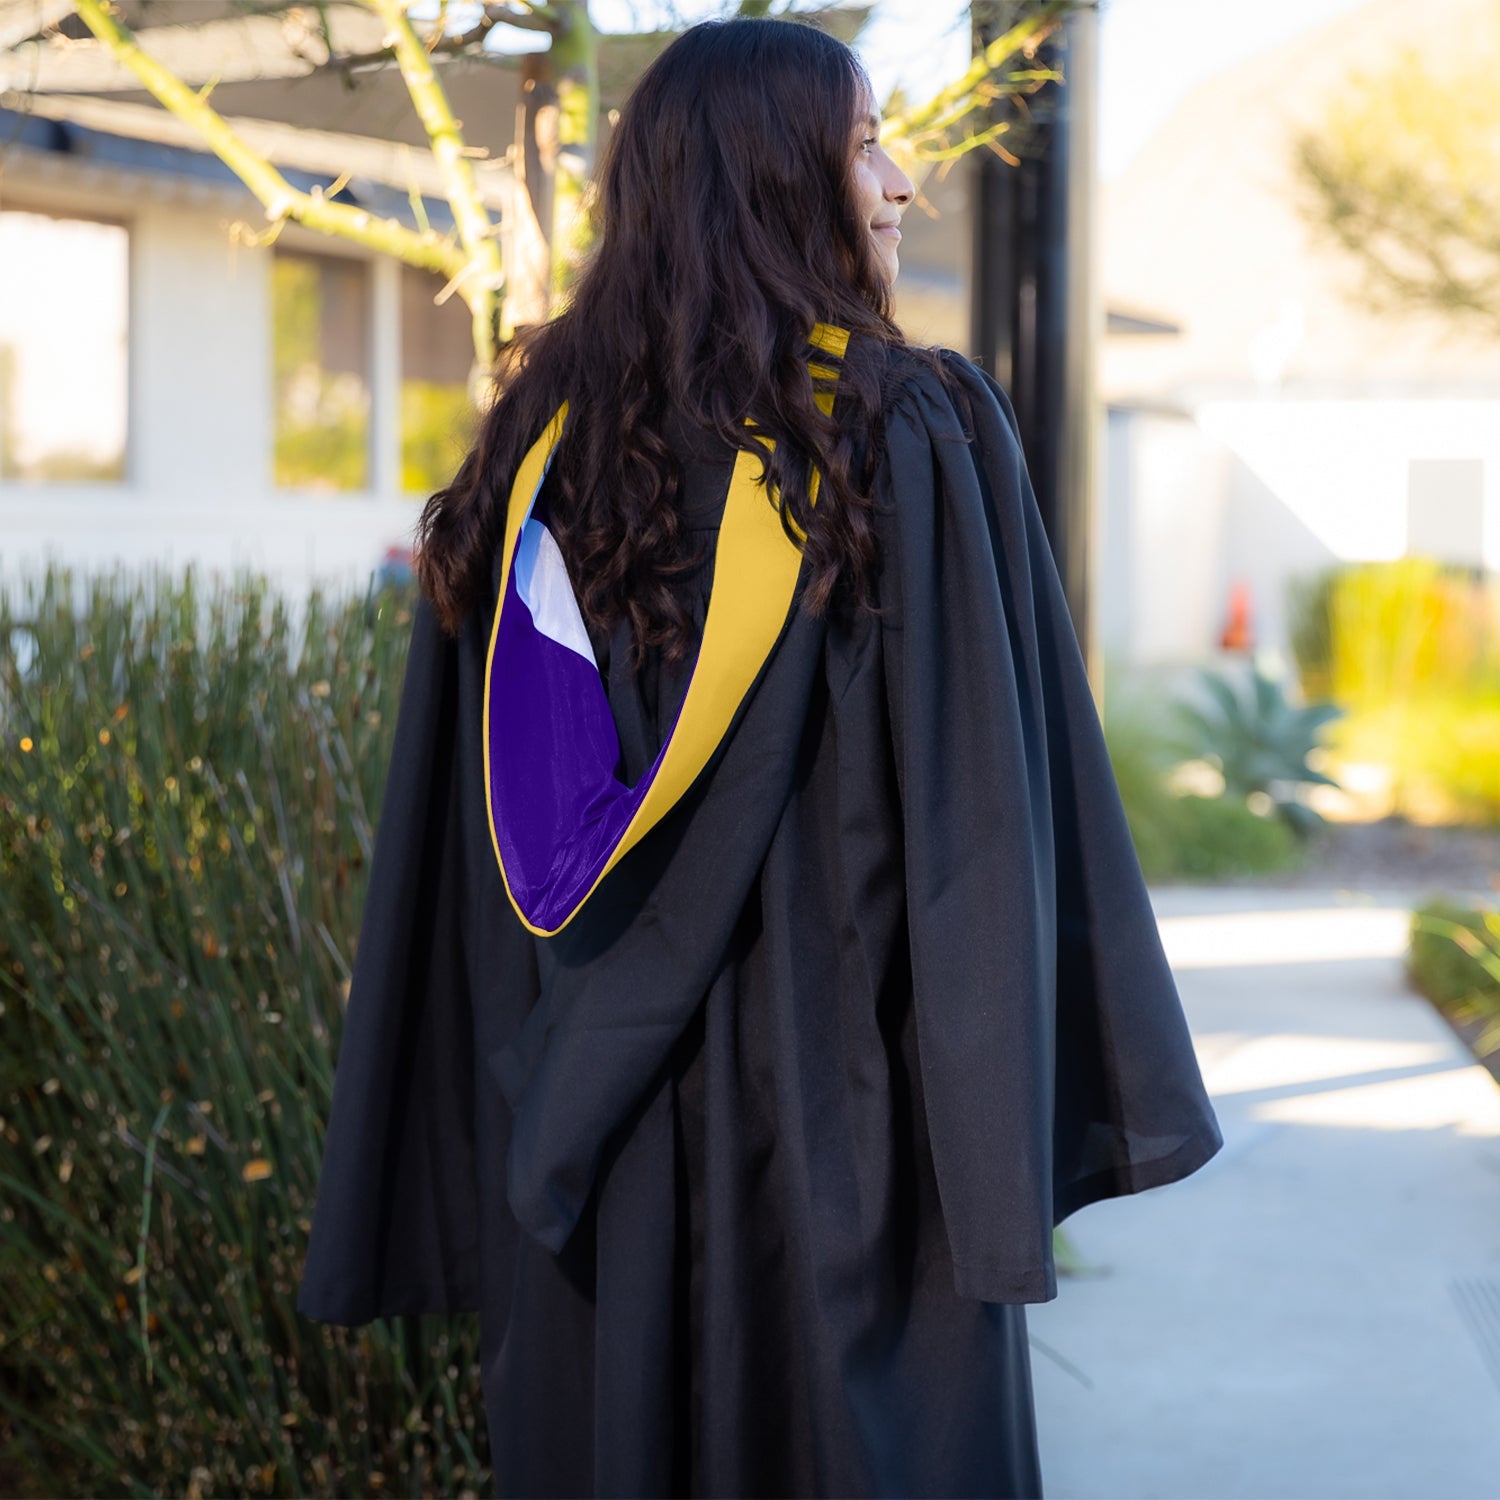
column 1034, row 309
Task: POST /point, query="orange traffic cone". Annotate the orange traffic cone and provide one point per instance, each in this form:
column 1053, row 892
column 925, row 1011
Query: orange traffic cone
column 1238, row 634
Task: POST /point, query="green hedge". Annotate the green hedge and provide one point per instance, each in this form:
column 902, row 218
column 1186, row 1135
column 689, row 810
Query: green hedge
column 188, row 790
column 1454, row 959
column 1189, row 837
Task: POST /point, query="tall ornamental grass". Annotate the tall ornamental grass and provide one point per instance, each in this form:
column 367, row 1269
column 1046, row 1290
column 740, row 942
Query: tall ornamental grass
column 189, row 783
column 1411, row 649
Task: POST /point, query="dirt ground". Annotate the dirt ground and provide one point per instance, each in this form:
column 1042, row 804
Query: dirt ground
column 1392, row 853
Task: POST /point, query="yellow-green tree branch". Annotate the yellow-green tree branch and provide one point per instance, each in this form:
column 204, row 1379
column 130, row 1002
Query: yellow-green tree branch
column 430, row 251
column 485, row 278
column 978, row 84
column 575, row 61
column 950, row 153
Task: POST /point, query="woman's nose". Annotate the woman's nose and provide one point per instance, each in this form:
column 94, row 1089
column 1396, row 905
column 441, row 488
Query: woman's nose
column 900, row 188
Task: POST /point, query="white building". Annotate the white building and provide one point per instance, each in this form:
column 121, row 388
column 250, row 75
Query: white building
column 1284, row 427
column 168, row 392
column 171, row 390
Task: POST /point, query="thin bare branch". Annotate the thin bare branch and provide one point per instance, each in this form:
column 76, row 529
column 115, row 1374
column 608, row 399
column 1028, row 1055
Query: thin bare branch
column 470, row 42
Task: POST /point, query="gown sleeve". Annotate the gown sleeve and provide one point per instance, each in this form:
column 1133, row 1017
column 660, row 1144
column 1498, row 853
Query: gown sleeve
column 396, row 1225
column 1056, row 1059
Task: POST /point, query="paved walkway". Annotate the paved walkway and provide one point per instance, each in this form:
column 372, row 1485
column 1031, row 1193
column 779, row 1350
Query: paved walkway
column 1316, row 1312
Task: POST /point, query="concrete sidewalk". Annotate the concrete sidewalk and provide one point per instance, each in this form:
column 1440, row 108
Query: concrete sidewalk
column 1316, row 1312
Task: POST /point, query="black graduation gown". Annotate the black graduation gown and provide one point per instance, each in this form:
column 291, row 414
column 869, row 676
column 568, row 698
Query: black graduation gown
column 751, row 1169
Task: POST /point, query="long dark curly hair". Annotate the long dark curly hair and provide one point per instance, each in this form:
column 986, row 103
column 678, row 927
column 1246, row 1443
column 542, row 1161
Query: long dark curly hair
column 725, row 228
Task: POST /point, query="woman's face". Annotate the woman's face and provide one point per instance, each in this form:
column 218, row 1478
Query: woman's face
column 881, row 189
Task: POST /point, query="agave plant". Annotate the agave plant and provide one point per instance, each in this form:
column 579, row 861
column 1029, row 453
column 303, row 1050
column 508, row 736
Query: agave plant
column 1259, row 741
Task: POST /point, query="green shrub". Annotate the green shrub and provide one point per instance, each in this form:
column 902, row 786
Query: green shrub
column 1219, row 836
column 1179, row 837
column 1310, row 630
column 1141, row 758
column 188, row 790
column 1453, row 958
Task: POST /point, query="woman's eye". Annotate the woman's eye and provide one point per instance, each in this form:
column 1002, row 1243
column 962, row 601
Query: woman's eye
column 869, row 140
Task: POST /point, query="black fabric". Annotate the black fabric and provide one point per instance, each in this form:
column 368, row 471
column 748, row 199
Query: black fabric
column 751, row 1170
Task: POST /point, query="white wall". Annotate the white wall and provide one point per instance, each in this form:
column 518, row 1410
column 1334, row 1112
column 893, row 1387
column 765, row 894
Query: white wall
column 1342, row 468
column 1265, row 490
column 1162, row 571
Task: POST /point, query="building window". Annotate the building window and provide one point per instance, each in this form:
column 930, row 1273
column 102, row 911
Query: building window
column 438, row 425
column 64, row 300
column 321, row 364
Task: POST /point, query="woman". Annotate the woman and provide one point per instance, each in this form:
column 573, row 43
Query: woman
column 756, row 966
